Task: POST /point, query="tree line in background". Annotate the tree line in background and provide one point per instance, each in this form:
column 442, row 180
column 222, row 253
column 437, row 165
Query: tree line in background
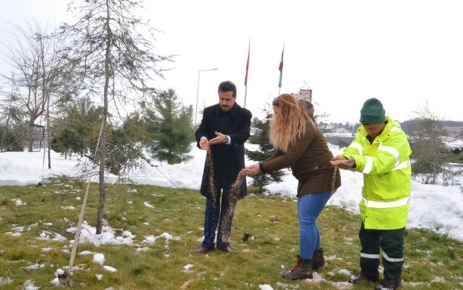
column 408, row 126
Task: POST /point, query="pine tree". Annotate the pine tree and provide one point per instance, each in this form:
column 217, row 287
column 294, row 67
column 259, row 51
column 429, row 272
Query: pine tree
column 76, row 129
column 265, row 150
column 170, row 128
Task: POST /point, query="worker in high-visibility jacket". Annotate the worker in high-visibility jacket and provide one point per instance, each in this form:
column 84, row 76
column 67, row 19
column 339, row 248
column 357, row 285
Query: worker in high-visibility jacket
column 380, row 150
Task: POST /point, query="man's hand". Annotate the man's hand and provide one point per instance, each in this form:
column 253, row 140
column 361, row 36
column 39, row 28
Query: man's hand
column 203, row 143
column 219, row 139
column 251, row 170
column 342, row 162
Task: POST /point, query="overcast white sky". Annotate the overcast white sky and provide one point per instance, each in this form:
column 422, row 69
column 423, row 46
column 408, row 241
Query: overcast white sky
column 402, row 52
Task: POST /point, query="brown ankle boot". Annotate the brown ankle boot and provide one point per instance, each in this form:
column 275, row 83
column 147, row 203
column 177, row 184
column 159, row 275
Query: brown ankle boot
column 302, row 270
column 318, row 260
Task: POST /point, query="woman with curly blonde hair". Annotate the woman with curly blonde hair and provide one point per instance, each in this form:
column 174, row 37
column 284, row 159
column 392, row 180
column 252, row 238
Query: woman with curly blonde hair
column 302, row 147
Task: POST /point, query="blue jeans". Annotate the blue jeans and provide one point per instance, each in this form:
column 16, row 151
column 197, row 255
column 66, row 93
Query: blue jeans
column 221, row 215
column 309, row 207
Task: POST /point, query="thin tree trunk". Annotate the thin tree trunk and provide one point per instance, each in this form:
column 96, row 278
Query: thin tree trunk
column 48, row 134
column 46, row 94
column 99, row 225
column 434, row 165
column 30, row 135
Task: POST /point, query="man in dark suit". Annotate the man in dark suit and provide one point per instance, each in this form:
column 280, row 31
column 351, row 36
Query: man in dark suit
column 223, row 130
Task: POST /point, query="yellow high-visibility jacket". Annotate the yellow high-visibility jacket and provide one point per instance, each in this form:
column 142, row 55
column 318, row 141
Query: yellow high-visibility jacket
column 385, row 164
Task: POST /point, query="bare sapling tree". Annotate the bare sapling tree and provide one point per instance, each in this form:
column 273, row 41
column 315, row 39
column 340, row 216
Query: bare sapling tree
column 115, row 54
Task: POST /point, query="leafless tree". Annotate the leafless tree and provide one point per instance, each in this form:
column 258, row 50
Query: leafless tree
column 42, row 76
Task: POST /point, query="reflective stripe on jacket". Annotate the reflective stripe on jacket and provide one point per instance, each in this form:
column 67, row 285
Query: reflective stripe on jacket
column 385, row 164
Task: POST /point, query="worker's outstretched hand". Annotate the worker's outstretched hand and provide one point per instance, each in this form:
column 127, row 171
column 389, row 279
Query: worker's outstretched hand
column 342, row 162
column 251, row 170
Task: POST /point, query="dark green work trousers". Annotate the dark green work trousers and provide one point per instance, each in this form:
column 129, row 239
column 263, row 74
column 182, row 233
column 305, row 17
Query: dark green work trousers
column 391, row 242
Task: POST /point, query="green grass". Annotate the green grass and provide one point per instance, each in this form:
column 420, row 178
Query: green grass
column 432, row 261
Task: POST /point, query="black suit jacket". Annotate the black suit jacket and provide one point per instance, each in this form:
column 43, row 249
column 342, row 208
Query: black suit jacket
column 227, row 160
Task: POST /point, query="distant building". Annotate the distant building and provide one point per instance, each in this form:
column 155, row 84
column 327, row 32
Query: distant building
column 326, row 126
column 304, row 94
column 341, row 130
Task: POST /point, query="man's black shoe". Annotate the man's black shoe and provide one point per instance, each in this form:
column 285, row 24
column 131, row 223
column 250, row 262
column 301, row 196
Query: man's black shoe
column 389, row 284
column 362, row 278
column 227, row 250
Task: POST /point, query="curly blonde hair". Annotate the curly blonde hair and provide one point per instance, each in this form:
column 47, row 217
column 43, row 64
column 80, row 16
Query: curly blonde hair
column 291, row 122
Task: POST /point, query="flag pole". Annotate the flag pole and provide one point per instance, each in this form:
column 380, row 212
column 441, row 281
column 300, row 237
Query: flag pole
column 280, row 68
column 245, row 93
column 246, row 77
